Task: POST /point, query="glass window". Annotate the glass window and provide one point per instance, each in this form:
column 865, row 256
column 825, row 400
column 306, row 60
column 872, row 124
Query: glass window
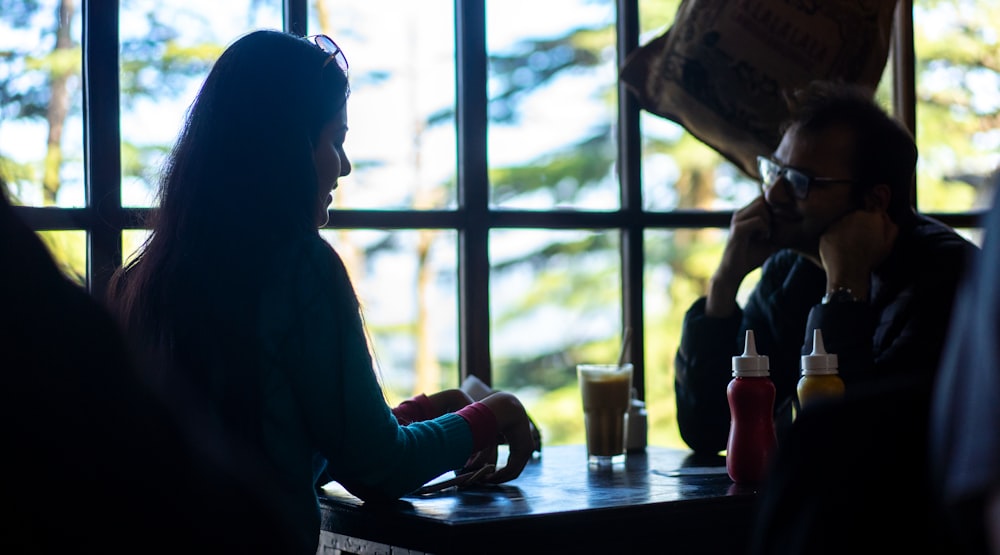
column 406, row 283
column 552, row 103
column 69, row 250
column 548, row 226
column 401, row 112
column 41, row 101
column 555, row 301
column 678, row 265
column 167, row 50
column 958, row 99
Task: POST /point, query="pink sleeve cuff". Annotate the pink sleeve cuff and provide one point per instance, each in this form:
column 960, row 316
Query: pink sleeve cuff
column 483, row 424
column 414, row 409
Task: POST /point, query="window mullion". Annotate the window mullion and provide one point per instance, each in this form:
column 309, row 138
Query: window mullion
column 473, row 189
column 904, row 97
column 630, row 179
column 102, row 142
column 295, row 15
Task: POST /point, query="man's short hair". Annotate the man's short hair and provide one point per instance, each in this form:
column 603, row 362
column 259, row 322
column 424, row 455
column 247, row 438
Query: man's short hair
column 884, row 150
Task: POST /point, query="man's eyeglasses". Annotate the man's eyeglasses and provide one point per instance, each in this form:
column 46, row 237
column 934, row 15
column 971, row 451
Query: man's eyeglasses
column 327, row 45
column 799, row 181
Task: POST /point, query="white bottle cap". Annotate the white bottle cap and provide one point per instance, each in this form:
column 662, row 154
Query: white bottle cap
column 819, row 361
column 750, row 364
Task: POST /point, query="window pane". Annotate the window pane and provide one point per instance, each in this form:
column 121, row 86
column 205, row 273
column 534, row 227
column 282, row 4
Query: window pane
column 678, row 266
column 401, row 112
column 69, row 250
column 679, row 171
column 555, row 300
column 958, row 132
column 407, row 282
column 553, row 94
column 41, row 100
column 167, row 50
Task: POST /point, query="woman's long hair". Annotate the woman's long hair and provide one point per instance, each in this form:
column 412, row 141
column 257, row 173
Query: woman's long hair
column 238, row 185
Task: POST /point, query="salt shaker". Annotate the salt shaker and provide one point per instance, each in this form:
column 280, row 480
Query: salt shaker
column 635, row 436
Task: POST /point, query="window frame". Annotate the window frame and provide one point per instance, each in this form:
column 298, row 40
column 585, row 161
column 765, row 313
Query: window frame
column 104, row 218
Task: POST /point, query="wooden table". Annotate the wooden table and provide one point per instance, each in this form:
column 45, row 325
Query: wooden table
column 664, row 498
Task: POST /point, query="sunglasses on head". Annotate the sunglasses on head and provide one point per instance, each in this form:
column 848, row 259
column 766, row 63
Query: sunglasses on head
column 799, row 182
column 327, row 45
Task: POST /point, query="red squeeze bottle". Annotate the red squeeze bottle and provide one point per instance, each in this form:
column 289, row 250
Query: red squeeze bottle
column 752, row 438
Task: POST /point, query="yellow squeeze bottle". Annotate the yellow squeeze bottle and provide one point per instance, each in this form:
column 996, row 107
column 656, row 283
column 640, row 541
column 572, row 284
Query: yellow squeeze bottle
column 820, row 376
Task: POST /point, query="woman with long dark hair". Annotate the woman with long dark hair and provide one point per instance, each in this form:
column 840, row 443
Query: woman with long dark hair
column 236, row 298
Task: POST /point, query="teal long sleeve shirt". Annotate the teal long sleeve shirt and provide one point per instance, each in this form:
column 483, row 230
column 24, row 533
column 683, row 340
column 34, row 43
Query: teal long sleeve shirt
column 321, row 394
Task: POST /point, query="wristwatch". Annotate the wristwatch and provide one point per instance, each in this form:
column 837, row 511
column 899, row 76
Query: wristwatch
column 840, row 295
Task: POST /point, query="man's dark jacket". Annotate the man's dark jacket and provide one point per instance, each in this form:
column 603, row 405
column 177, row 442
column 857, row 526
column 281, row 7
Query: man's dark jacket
column 899, row 332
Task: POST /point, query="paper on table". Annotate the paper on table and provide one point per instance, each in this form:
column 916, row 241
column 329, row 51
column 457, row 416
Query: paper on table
column 461, row 480
column 694, row 471
column 476, row 388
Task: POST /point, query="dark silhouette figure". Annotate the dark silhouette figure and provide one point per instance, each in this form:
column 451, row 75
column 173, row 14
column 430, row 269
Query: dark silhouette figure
column 94, row 459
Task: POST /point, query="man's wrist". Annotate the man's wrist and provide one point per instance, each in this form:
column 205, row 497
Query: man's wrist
column 839, row 295
column 720, row 301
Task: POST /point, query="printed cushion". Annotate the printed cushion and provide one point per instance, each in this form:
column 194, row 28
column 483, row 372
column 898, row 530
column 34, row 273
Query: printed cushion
column 723, row 68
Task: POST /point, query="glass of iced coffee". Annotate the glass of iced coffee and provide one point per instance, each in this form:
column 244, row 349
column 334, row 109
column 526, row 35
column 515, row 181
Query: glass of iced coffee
column 606, row 393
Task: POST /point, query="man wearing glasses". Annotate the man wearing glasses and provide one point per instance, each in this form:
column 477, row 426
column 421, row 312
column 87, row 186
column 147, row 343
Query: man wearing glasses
column 840, row 249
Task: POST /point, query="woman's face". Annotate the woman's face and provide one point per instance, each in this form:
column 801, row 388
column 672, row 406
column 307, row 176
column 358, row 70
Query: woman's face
column 331, row 163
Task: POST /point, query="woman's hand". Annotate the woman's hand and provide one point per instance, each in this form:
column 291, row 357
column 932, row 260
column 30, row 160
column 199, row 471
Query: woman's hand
column 449, row 400
column 515, row 428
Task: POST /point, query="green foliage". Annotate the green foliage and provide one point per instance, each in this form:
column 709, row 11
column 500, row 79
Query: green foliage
column 18, row 12
column 68, row 248
column 559, row 415
column 657, row 15
column 534, row 63
column 565, row 174
column 153, row 66
column 59, row 62
column 15, row 172
column 159, row 69
column 958, row 111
